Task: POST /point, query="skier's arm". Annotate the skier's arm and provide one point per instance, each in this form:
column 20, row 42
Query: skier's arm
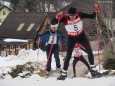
column 84, row 15
column 43, row 35
column 93, row 15
column 59, row 18
column 61, row 38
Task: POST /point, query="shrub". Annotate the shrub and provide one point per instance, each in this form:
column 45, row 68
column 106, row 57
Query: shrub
column 107, row 53
column 20, row 68
column 109, row 64
column 15, row 71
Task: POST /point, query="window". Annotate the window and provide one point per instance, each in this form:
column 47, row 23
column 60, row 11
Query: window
column 30, row 27
column 4, row 12
column 20, row 27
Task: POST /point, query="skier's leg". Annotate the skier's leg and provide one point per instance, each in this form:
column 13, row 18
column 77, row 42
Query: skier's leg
column 48, row 68
column 74, row 64
column 70, row 47
column 85, row 62
column 57, row 59
column 86, row 44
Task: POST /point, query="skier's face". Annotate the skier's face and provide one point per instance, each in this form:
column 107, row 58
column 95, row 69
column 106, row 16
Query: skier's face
column 54, row 29
column 72, row 17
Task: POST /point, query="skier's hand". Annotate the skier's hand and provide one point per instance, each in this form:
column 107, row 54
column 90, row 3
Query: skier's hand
column 39, row 34
column 97, row 8
column 59, row 15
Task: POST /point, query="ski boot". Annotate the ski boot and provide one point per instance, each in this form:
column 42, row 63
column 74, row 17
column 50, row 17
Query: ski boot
column 63, row 75
column 94, row 72
column 47, row 74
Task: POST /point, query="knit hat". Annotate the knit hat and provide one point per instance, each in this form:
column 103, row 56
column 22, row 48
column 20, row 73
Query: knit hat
column 72, row 11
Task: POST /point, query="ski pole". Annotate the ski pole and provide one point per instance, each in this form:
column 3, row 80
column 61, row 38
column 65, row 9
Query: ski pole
column 38, row 50
column 98, row 41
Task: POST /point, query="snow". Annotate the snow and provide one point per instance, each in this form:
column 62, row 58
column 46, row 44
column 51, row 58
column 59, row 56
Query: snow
column 24, row 56
column 15, row 40
column 33, row 81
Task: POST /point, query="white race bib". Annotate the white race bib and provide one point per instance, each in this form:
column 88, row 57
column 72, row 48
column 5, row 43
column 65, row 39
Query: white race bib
column 52, row 39
column 77, row 52
column 74, row 27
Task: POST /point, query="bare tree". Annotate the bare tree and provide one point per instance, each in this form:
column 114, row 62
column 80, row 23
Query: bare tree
column 107, row 14
column 39, row 5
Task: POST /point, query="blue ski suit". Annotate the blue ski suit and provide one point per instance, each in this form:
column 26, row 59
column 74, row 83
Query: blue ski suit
column 52, row 37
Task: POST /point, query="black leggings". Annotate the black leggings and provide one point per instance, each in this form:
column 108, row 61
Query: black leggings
column 79, row 59
column 83, row 40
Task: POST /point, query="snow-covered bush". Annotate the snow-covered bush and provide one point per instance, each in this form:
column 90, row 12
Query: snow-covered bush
column 22, row 70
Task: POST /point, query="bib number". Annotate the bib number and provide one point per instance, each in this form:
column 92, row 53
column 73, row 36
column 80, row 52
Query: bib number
column 75, row 27
column 52, row 40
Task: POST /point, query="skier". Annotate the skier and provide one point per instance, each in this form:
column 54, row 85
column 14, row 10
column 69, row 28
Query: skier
column 75, row 31
column 77, row 53
column 52, row 36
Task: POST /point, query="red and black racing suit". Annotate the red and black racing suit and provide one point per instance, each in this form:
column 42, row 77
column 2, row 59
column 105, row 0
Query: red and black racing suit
column 76, row 37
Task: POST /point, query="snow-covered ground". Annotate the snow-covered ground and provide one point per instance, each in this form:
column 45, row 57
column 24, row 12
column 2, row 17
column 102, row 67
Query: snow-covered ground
column 34, row 81
column 24, row 56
